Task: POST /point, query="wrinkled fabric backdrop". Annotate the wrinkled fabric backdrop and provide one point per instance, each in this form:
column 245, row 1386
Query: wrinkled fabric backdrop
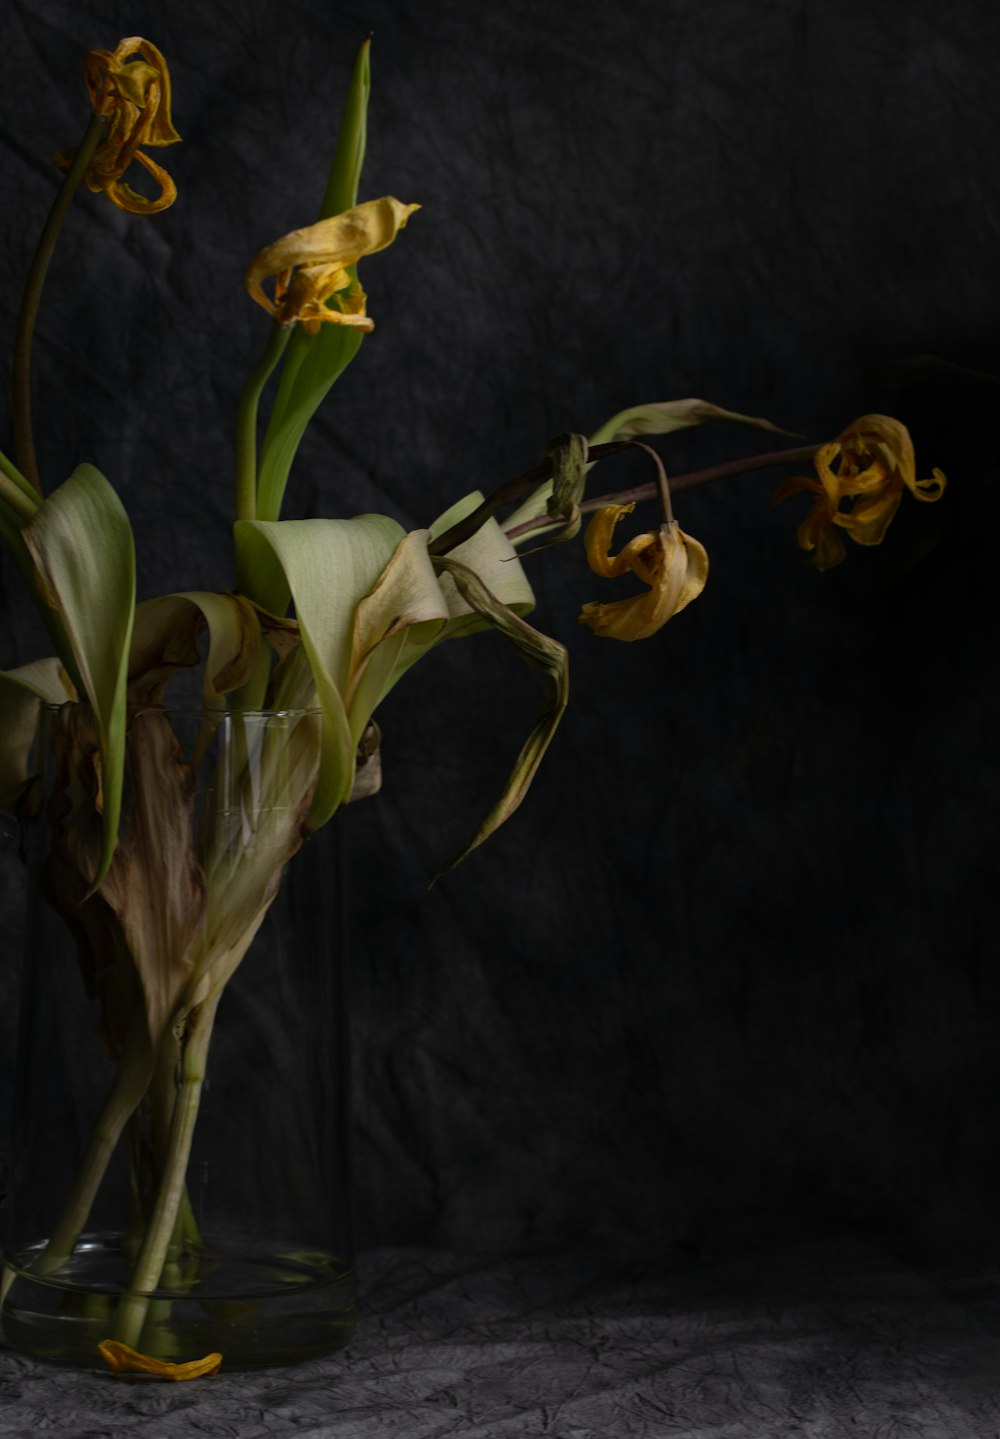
column 729, row 973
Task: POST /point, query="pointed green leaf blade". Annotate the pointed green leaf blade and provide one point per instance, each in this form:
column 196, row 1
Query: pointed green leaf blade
column 314, row 362
column 664, row 416
column 352, row 138
column 81, row 543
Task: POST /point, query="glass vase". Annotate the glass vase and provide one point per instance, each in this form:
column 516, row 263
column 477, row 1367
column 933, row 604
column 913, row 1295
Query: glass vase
column 179, row 1177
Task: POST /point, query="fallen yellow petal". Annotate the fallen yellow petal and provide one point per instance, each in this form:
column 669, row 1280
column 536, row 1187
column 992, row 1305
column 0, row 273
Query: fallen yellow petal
column 120, row 1359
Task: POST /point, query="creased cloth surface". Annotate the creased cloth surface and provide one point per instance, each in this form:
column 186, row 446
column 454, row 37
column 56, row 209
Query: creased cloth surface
column 822, row 1339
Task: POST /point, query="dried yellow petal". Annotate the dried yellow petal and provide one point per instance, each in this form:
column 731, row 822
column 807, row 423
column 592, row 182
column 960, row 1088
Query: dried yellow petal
column 121, row 1359
column 671, row 563
column 130, row 88
column 311, row 267
column 869, row 465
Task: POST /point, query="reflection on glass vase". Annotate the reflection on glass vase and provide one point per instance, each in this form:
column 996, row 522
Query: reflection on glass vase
column 179, row 1178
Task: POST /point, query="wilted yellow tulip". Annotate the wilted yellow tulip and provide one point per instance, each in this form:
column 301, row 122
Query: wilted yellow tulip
column 674, row 565
column 130, row 88
column 874, row 464
column 311, row 266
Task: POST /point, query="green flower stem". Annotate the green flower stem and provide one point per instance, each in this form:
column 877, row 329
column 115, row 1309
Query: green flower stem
column 163, row 1093
column 134, row 1304
column 126, row 1092
column 24, row 441
column 10, row 472
column 15, row 507
column 246, row 423
column 802, row 455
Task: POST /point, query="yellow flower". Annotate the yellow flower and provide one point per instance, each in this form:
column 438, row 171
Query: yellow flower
column 674, row 565
column 130, row 88
column 311, row 266
column 120, row 1358
column 869, row 464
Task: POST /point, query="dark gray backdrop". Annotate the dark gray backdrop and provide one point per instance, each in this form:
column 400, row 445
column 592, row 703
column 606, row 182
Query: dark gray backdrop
column 730, row 971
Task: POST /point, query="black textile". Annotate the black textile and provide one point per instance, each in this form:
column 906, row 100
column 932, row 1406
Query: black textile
column 728, row 974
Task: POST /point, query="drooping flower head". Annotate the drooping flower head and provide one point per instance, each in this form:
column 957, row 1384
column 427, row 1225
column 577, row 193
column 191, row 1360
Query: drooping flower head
column 130, row 88
column 311, row 267
column 671, row 563
column 869, row 466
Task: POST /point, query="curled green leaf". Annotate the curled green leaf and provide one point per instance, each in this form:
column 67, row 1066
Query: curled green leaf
column 569, row 477
column 541, row 653
column 165, row 640
column 22, row 693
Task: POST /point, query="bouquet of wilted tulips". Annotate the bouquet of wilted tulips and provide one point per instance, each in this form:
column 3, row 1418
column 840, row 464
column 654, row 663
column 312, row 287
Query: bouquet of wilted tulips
column 325, row 617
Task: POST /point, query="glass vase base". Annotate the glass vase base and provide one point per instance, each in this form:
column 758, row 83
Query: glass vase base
column 256, row 1309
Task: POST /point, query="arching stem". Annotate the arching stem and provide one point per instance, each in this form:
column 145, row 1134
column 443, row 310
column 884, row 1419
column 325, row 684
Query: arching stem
column 24, row 439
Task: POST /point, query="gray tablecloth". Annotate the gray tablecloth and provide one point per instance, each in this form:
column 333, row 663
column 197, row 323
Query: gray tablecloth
column 833, row 1338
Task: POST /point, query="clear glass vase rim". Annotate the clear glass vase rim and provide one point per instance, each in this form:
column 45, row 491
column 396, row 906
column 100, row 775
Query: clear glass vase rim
column 199, row 711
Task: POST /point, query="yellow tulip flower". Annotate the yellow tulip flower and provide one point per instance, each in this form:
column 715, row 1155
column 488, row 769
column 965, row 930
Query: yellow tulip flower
column 312, row 266
column 130, row 87
column 674, row 565
column 869, row 465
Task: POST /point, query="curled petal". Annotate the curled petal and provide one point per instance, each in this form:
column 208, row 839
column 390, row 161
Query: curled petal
column 931, row 489
column 817, row 534
column 130, row 88
column 322, row 255
column 303, row 294
column 123, row 197
column 600, row 537
column 144, row 83
column 120, row 1359
column 795, row 485
column 671, row 563
column 828, row 477
column 868, row 466
column 870, row 516
column 879, row 438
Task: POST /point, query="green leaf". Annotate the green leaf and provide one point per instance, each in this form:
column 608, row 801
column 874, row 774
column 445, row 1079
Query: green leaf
column 658, row 418
column 492, row 557
column 22, row 693
column 329, row 567
column 662, row 417
column 569, row 478
column 81, row 543
column 165, row 639
column 313, row 362
column 405, row 611
column 541, row 653
column 352, row 137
